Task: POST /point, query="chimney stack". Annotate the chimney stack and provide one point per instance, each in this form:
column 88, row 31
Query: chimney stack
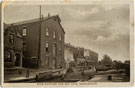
column 42, row 17
column 48, row 14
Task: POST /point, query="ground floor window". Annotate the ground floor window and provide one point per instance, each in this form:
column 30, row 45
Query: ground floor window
column 47, row 47
column 7, row 56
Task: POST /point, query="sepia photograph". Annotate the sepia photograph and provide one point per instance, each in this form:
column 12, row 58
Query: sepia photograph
column 66, row 43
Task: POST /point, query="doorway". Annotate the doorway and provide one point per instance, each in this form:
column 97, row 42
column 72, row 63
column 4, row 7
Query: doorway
column 17, row 59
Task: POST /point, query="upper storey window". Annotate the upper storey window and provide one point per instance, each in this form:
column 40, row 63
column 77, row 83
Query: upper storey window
column 11, row 38
column 60, row 37
column 54, row 34
column 24, row 32
column 47, row 31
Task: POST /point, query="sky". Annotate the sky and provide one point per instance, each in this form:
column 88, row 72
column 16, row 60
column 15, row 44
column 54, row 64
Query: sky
column 103, row 28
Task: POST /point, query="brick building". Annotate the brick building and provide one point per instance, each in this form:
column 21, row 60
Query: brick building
column 79, row 55
column 13, row 47
column 85, row 57
column 43, row 42
column 91, row 57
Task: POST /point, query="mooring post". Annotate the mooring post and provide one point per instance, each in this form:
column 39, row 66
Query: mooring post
column 109, row 77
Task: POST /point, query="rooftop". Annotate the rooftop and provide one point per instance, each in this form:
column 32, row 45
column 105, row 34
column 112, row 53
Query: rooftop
column 34, row 20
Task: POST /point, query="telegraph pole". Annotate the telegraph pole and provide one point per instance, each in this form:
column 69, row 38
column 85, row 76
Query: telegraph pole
column 39, row 45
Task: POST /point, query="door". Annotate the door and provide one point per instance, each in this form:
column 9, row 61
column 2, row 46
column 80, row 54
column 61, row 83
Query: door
column 53, row 63
column 17, row 59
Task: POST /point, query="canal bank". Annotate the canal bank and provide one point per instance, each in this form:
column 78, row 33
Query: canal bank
column 24, row 74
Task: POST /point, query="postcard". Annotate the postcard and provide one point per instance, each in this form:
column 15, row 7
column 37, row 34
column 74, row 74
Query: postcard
column 67, row 43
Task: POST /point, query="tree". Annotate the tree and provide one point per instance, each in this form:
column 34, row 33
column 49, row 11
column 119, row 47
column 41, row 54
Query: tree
column 114, row 63
column 127, row 62
column 119, row 61
column 106, row 60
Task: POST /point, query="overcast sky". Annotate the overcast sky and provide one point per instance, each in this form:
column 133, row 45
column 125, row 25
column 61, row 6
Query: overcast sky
column 103, row 28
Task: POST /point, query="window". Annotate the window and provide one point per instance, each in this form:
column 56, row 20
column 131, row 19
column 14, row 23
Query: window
column 47, row 31
column 54, row 49
column 54, row 34
column 11, row 39
column 60, row 37
column 47, row 47
column 24, row 31
column 7, row 56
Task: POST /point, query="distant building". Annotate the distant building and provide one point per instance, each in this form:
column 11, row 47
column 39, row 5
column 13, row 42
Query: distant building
column 43, row 42
column 92, row 59
column 13, row 47
column 86, row 52
column 79, row 55
column 80, row 51
column 85, row 57
column 69, row 54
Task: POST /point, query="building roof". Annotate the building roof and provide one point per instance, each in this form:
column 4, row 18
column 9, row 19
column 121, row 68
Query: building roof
column 92, row 52
column 36, row 20
column 5, row 26
column 68, row 44
column 17, row 33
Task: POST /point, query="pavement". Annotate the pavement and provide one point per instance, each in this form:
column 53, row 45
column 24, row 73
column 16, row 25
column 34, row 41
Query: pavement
column 24, row 74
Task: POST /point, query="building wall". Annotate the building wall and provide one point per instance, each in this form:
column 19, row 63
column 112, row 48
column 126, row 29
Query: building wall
column 80, row 52
column 14, row 49
column 93, row 58
column 8, row 48
column 69, row 54
column 86, row 56
column 93, row 55
column 80, row 60
column 32, row 43
column 31, row 39
column 48, row 59
column 76, row 53
column 86, row 53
